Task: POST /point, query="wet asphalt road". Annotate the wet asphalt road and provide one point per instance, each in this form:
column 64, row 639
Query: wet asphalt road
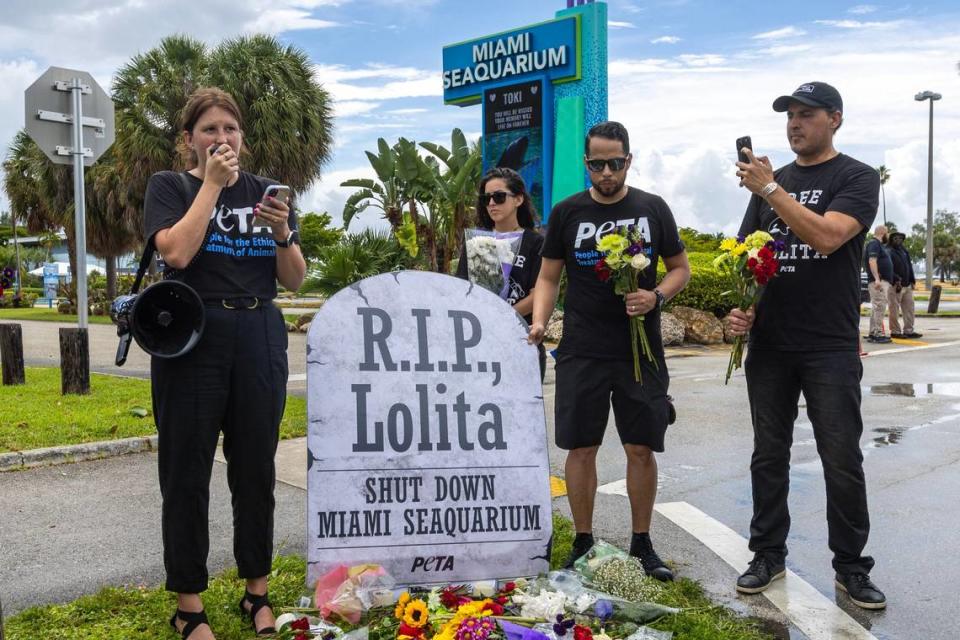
column 69, row 530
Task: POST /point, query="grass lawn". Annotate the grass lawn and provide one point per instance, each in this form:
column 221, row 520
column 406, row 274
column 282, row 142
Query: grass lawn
column 48, row 315
column 36, row 415
column 141, row 613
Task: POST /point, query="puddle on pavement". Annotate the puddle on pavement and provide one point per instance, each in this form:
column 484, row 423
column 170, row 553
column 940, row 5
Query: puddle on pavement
column 776, row 629
column 888, row 436
column 910, row 390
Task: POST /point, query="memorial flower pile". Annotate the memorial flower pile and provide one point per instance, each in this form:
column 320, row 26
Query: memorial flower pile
column 623, row 261
column 490, row 257
column 559, row 605
column 750, row 263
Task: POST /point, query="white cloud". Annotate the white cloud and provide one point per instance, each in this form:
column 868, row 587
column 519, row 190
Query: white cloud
column 378, row 82
column 280, row 20
column 617, row 24
column 776, row 34
column 665, row 40
column 685, row 122
column 857, row 24
column 862, row 9
column 349, row 108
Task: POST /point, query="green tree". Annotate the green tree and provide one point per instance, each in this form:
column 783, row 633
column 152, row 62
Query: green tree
column 287, row 114
column 316, row 234
column 453, row 205
column 355, row 257
column 946, row 234
column 697, row 241
column 884, row 178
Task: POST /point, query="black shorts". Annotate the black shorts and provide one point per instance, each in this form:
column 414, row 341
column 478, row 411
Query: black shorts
column 583, row 396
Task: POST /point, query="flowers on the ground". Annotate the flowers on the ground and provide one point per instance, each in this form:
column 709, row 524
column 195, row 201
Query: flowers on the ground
column 625, row 578
column 582, row 632
column 415, row 614
column 623, row 261
column 562, row 625
column 749, row 263
column 401, row 605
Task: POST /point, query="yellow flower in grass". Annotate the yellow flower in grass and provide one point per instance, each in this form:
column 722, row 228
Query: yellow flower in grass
column 612, row 244
column 401, row 605
column 728, row 244
column 415, row 614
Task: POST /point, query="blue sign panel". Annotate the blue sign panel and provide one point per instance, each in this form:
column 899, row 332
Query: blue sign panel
column 550, row 49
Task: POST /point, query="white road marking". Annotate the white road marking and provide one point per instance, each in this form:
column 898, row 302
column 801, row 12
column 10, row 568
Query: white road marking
column 814, row 614
column 940, row 345
column 297, row 377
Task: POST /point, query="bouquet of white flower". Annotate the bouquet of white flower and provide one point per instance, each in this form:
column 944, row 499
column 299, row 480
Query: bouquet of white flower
column 490, row 257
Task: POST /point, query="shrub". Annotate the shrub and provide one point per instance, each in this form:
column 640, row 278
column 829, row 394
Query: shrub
column 7, row 301
column 706, row 286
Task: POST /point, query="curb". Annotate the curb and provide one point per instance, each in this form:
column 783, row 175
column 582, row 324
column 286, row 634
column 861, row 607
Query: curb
column 49, row 456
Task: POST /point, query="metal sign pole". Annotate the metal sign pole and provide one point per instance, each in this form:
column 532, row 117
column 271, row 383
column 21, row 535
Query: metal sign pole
column 79, row 201
column 16, row 246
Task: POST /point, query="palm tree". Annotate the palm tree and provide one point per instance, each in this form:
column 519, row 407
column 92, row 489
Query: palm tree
column 40, row 192
column 884, row 177
column 287, row 114
column 113, row 227
column 455, row 190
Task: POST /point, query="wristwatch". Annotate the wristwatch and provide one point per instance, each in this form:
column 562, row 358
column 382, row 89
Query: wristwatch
column 290, row 238
column 768, row 188
column 660, row 298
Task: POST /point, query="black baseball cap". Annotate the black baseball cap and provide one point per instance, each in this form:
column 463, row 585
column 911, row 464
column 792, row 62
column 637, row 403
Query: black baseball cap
column 813, row 94
column 898, row 234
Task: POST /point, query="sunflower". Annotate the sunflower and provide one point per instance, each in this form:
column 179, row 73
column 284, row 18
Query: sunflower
column 401, row 604
column 415, row 614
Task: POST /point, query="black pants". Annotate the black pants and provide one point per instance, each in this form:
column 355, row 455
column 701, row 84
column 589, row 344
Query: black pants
column 233, row 381
column 830, row 382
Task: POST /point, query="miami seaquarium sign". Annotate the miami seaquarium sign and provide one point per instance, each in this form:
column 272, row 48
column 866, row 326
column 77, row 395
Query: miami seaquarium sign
column 549, row 49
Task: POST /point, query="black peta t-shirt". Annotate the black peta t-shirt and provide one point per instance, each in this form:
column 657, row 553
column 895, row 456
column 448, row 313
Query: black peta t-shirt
column 526, row 268
column 814, row 302
column 595, row 322
column 239, row 257
column 876, row 249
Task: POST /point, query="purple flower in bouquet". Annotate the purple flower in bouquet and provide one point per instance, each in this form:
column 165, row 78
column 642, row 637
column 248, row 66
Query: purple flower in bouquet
column 514, row 631
column 8, row 273
column 562, row 625
column 603, row 609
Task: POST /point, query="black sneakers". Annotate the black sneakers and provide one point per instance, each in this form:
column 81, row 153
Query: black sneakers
column 861, row 590
column 913, row 334
column 581, row 544
column 879, row 339
column 642, row 549
column 759, row 575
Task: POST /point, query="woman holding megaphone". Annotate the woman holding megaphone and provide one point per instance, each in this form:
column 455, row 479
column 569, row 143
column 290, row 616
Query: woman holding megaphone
column 231, row 236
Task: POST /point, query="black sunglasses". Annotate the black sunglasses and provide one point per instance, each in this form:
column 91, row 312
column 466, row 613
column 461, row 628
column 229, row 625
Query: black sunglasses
column 497, row 196
column 615, row 164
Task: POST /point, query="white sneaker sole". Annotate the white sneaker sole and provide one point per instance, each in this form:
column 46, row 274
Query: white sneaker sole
column 752, row 590
column 863, row 605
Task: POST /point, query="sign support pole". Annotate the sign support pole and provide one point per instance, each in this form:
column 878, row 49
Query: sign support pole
column 79, row 204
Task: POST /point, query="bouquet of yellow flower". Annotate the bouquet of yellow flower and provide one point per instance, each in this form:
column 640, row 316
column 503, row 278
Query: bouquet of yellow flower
column 623, row 261
column 749, row 263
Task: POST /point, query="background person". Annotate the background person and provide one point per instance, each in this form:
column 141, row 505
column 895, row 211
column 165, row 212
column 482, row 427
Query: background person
column 234, row 380
column 595, row 359
column 880, row 273
column 804, row 338
column 503, row 205
column 901, row 291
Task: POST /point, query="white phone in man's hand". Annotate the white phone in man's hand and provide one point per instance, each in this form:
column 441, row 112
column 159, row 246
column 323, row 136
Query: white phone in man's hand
column 278, row 192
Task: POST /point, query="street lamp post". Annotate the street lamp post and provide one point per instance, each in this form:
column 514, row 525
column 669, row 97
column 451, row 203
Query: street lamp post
column 932, row 97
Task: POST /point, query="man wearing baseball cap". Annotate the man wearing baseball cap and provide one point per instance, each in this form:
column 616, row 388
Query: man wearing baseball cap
column 901, row 293
column 804, row 337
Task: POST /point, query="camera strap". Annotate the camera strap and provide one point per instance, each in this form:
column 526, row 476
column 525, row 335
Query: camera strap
column 150, row 248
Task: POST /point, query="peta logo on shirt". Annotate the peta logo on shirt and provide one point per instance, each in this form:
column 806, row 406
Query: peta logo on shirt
column 241, row 219
column 588, row 230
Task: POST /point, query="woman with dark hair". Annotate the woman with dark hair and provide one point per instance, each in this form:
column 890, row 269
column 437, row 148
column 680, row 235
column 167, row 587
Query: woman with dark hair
column 219, row 233
column 503, row 205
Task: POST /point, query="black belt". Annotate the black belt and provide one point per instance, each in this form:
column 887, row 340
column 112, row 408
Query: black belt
column 243, row 303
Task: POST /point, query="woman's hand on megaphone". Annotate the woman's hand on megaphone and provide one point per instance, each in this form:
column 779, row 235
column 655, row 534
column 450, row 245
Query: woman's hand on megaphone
column 222, row 164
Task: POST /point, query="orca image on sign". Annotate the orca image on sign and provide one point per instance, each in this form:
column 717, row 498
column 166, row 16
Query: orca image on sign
column 513, row 133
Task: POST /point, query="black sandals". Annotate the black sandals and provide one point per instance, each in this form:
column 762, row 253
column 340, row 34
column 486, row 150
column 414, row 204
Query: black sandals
column 193, row 619
column 256, row 603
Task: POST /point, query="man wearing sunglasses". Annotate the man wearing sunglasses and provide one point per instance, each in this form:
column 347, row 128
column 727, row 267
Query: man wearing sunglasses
column 595, row 358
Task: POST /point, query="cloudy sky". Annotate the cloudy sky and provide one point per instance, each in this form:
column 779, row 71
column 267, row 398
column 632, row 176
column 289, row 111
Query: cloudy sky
column 687, row 77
